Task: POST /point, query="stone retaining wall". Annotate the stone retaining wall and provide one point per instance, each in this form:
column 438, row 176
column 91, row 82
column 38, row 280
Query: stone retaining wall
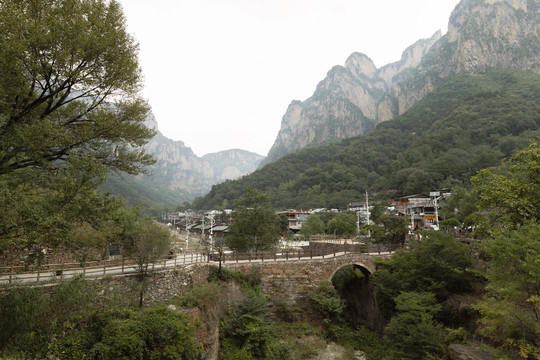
column 166, row 285
column 20, row 256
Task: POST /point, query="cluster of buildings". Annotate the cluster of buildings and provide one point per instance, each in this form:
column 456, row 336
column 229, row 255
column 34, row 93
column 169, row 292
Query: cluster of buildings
column 421, row 210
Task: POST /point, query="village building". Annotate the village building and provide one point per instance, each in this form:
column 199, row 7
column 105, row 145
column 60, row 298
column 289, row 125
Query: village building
column 295, row 217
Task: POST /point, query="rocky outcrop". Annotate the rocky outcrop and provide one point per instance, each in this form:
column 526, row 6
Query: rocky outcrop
column 354, row 98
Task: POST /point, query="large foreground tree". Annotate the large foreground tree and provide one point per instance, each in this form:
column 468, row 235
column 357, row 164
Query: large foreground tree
column 70, row 111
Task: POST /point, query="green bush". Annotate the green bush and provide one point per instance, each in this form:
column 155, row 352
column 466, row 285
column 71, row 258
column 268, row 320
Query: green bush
column 327, row 300
column 202, row 296
column 247, row 324
column 251, row 280
column 20, row 311
column 456, row 336
column 450, row 223
column 229, row 351
column 155, row 333
column 413, row 330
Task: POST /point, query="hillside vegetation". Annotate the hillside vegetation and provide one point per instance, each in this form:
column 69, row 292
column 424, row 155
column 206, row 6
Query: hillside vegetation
column 469, row 123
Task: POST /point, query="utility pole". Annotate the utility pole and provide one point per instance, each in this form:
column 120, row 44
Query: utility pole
column 202, row 227
column 437, row 212
column 367, row 213
column 211, row 232
column 187, row 233
column 357, row 223
column 412, row 218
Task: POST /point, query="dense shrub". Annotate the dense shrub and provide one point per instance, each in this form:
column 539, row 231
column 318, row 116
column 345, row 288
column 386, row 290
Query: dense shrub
column 327, row 300
column 155, row 333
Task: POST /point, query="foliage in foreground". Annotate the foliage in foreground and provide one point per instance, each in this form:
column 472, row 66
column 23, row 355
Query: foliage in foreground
column 68, row 324
column 253, row 329
column 510, row 309
column 154, row 333
column 60, row 133
column 413, row 329
column 437, row 264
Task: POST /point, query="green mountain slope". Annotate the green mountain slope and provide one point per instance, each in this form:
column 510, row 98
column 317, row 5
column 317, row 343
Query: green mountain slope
column 467, row 124
column 137, row 192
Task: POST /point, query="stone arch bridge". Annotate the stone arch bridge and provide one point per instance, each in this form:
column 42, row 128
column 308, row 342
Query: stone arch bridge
column 293, row 279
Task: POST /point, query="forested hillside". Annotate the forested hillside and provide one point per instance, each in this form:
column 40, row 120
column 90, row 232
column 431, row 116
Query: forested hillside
column 469, row 123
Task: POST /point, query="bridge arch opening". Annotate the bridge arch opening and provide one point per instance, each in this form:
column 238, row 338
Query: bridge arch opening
column 352, row 283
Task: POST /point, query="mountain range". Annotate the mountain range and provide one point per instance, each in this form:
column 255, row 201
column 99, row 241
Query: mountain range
column 355, row 98
column 470, row 122
column 179, row 175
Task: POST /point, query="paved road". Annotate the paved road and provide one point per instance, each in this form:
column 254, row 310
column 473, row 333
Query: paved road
column 96, row 271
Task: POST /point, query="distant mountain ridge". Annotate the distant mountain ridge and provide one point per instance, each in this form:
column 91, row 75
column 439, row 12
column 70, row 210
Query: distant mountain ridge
column 354, row 98
column 178, row 174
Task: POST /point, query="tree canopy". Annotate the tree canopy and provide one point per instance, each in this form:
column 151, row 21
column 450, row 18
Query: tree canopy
column 437, row 264
column 70, row 111
column 63, row 62
column 312, row 226
column 255, row 225
column 392, row 230
column 510, row 195
column 343, row 224
column 511, row 191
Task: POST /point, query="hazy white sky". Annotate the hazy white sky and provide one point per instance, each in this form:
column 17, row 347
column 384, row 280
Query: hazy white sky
column 219, row 74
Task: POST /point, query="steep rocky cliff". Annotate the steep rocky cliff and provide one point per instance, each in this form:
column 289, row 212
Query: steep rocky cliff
column 178, row 174
column 354, row 98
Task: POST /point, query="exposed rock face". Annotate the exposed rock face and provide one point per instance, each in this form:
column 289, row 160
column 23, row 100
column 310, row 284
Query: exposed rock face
column 232, row 164
column 179, row 168
column 183, row 174
column 354, row 98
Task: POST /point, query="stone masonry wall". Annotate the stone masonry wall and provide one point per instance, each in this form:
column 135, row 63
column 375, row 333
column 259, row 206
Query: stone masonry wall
column 292, row 280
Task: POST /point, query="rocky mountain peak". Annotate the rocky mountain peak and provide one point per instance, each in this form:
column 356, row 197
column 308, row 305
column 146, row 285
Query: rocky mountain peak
column 516, row 4
column 359, row 64
column 178, row 174
column 500, row 15
column 151, row 122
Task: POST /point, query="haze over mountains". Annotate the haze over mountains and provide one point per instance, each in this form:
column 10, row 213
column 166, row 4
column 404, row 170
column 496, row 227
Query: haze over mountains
column 354, row 98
